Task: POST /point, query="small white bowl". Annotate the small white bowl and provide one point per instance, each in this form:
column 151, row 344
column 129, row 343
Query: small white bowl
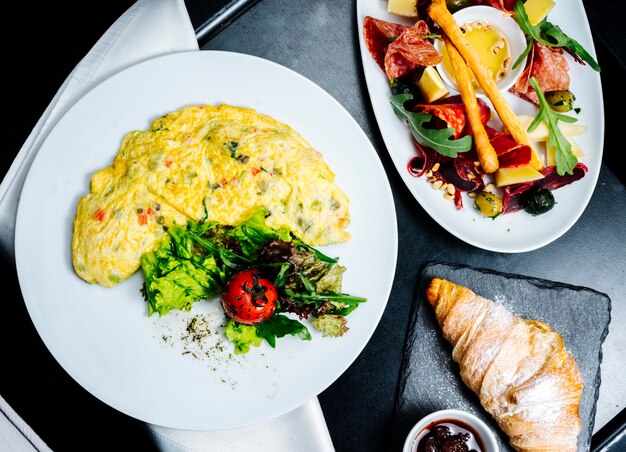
column 486, row 436
column 506, row 25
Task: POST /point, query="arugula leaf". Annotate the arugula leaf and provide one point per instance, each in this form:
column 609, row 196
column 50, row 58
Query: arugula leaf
column 559, row 39
column 319, row 298
column 439, row 140
column 550, row 35
column 565, row 158
column 279, row 326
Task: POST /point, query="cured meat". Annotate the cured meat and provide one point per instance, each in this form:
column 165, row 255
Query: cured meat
column 411, row 50
column 377, row 35
column 510, row 152
column 461, row 173
column 549, row 67
column 399, row 50
column 451, row 112
column 511, row 198
column 425, row 159
column 504, row 5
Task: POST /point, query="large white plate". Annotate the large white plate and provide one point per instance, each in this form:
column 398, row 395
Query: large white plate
column 517, row 232
column 103, row 337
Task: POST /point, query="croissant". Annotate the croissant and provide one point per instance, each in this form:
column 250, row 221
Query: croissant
column 520, row 369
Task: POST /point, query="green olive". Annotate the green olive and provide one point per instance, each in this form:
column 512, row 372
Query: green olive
column 488, row 204
column 455, row 5
column 561, row 100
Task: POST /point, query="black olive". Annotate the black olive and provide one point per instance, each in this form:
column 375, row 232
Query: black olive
column 537, row 200
column 455, row 5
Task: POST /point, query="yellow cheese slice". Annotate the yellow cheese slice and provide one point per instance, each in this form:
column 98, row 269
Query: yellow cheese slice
column 509, row 176
column 406, row 8
column 541, row 132
column 537, row 10
column 431, row 86
column 550, row 159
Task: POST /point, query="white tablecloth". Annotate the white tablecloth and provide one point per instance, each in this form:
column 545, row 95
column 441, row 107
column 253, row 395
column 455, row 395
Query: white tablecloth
column 148, row 29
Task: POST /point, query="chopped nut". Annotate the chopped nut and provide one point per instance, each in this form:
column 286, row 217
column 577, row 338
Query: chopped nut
column 490, row 188
column 471, row 176
column 451, row 189
column 431, row 179
column 448, row 196
column 472, row 194
column 429, row 173
column 437, row 184
column 435, row 167
column 444, row 186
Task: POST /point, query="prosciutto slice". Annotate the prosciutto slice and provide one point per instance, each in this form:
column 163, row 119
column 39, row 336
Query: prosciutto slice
column 549, row 67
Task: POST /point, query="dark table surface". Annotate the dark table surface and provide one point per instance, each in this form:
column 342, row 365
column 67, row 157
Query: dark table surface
column 319, row 40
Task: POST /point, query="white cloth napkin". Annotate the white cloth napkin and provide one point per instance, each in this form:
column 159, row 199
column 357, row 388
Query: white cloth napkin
column 147, row 29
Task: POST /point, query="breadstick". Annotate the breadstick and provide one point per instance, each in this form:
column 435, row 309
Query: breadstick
column 486, row 153
column 438, row 11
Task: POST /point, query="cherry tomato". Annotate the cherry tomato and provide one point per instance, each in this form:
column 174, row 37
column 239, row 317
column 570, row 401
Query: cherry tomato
column 249, row 298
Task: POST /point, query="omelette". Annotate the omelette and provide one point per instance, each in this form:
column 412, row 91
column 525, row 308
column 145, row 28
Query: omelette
column 207, row 163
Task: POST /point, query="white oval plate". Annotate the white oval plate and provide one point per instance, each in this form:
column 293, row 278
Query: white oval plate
column 143, row 366
column 516, row 232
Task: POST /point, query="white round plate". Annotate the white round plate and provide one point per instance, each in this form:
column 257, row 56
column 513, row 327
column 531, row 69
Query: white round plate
column 151, row 368
column 515, row 232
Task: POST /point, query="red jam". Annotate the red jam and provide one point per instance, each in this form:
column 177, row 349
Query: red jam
column 448, row 435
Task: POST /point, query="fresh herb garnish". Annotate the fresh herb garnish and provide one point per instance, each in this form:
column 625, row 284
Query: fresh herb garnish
column 437, row 139
column 550, row 35
column 200, row 258
column 563, row 155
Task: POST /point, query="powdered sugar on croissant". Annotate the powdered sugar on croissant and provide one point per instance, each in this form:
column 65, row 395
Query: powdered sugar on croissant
column 520, row 369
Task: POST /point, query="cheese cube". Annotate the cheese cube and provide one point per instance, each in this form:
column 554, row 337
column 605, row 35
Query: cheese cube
column 406, row 8
column 516, row 175
column 431, row 86
column 537, row 10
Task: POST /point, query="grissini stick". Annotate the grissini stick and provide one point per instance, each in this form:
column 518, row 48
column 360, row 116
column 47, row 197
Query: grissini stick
column 487, row 155
column 438, row 11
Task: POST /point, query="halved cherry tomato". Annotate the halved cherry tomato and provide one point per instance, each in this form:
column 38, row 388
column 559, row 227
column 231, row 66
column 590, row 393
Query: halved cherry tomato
column 249, row 298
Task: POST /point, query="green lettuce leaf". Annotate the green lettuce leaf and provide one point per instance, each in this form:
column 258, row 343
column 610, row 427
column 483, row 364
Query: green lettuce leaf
column 243, row 336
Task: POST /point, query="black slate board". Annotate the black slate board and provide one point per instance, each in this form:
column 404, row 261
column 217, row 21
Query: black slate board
column 429, row 379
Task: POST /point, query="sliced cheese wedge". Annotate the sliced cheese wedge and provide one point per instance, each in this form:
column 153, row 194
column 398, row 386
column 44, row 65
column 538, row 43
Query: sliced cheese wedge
column 541, row 132
column 516, row 175
column 550, row 159
column 537, row 10
column 406, row 8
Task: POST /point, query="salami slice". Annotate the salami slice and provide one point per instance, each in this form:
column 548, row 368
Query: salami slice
column 549, row 67
column 451, row 112
column 378, row 34
column 409, row 51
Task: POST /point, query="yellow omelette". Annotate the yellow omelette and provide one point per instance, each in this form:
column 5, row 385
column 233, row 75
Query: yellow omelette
column 203, row 163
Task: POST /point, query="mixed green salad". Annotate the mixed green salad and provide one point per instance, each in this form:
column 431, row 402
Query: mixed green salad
column 260, row 273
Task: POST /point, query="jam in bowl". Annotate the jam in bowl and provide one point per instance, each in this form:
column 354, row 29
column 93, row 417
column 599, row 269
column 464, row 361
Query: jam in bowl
column 450, row 431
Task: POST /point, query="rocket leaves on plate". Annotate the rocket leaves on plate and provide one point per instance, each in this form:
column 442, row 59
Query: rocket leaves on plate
column 550, row 35
column 563, row 155
column 437, row 139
